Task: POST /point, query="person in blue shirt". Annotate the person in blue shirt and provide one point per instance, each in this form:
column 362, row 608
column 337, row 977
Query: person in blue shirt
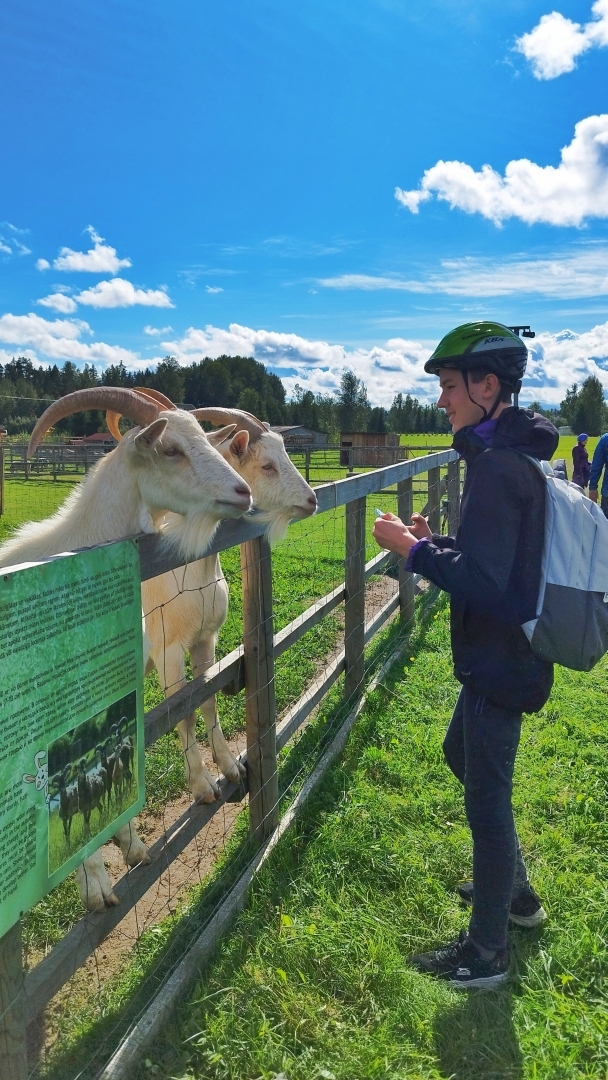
column 599, row 463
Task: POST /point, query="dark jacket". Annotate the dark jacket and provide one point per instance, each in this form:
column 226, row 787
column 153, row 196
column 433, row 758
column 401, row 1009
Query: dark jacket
column 582, row 468
column 600, row 460
column 492, row 567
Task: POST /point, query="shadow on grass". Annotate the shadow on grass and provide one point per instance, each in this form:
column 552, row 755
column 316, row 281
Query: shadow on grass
column 476, row 1038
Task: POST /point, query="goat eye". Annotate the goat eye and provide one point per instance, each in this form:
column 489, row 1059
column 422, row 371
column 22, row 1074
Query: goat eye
column 172, row 451
column 268, row 468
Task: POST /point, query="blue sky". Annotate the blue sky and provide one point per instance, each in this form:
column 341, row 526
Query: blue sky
column 304, row 183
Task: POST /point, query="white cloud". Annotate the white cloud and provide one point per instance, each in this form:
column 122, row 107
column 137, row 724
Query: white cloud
column 213, row 288
column 100, row 259
column 579, row 274
column 558, row 360
column 58, row 301
column 43, row 264
column 121, row 293
column 59, row 340
column 554, row 45
column 316, row 364
column 9, row 245
column 560, row 195
column 154, row 331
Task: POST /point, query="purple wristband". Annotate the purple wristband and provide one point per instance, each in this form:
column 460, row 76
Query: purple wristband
column 410, row 559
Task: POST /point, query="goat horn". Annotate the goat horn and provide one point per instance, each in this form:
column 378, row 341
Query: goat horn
column 155, row 395
column 117, row 398
column 112, row 418
column 243, row 420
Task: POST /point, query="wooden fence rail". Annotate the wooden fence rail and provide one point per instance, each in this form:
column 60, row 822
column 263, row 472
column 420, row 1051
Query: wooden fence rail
column 251, row 666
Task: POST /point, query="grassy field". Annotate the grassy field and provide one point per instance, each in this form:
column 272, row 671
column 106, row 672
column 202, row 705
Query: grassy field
column 314, row 980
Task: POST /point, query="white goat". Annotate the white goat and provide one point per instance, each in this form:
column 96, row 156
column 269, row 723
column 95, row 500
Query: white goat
column 164, row 464
column 185, row 609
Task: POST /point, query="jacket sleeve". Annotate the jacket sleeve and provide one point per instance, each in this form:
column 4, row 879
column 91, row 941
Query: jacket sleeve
column 598, row 463
column 477, row 573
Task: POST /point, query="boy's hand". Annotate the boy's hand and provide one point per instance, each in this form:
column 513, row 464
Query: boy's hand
column 390, row 533
column 420, row 527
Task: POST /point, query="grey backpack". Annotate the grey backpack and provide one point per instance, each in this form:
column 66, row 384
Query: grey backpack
column 571, row 624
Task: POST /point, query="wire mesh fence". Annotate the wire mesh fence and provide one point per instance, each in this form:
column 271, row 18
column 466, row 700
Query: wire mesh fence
column 285, row 626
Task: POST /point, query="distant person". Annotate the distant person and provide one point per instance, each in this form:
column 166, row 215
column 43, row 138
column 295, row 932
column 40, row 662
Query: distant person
column 580, row 457
column 492, row 570
column 559, row 468
column 600, row 460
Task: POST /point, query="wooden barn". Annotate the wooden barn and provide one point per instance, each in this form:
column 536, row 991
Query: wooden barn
column 298, row 437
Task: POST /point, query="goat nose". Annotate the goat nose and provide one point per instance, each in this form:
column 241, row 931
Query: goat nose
column 312, row 500
column 242, row 489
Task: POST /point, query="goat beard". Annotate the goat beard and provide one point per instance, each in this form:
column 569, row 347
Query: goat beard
column 191, row 534
column 277, row 525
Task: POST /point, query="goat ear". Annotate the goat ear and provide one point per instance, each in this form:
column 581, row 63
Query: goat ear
column 149, row 436
column 220, row 436
column 239, row 443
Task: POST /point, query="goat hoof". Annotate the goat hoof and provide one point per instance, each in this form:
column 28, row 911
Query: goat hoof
column 112, row 900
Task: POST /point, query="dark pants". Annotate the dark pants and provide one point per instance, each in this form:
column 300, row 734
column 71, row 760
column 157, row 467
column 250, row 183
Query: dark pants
column 480, row 748
column 604, row 505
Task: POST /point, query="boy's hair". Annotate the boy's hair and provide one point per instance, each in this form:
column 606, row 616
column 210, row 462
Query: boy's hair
column 477, row 375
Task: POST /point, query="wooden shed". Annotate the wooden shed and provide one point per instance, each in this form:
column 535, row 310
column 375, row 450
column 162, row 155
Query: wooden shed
column 370, row 449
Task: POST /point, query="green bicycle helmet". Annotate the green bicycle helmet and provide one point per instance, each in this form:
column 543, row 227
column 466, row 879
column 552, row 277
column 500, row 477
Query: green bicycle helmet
column 488, row 345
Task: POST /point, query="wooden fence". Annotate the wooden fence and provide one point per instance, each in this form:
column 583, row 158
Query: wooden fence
column 250, row 666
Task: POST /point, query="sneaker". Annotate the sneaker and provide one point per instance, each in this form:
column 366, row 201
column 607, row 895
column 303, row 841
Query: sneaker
column 461, row 965
column 526, row 908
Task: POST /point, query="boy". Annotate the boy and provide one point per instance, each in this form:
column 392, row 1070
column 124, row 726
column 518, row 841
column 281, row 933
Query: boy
column 492, row 571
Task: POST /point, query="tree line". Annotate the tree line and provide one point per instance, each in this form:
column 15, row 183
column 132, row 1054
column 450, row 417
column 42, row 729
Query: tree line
column 229, row 381
column 583, row 409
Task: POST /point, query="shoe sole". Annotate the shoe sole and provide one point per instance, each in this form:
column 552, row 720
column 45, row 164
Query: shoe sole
column 490, row 982
column 529, row 921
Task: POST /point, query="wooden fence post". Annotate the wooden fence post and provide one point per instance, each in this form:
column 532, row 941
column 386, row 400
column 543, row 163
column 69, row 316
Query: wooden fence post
column 307, row 466
column 258, row 658
column 1, row 480
column 453, row 490
column 13, row 1049
column 434, row 502
column 405, row 506
column 354, row 607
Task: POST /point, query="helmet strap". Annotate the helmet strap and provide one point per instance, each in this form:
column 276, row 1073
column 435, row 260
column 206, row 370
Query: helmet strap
column 486, row 415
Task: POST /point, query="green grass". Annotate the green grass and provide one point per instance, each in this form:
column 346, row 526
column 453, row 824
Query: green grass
column 314, row 981
column 31, row 500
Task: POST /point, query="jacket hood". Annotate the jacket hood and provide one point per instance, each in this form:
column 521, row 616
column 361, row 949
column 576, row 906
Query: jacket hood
column 516, row 429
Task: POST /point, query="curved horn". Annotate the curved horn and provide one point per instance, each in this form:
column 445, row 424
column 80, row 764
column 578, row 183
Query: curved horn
column 112, row 418
column 244, row 420
column 118, row 398
column 155, row 395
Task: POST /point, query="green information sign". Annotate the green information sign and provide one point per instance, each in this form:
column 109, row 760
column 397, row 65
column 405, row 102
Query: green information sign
column 71, row 715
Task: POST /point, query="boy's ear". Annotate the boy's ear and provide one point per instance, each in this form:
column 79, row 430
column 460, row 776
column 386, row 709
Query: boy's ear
column 239, row 444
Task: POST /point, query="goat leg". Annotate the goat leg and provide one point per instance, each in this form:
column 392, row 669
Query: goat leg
column 202, row 656
column 96, row 889
column 134, row 851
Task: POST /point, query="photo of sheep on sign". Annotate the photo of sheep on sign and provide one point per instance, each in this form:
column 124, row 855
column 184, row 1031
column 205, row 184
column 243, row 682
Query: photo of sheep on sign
column 92, row 778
